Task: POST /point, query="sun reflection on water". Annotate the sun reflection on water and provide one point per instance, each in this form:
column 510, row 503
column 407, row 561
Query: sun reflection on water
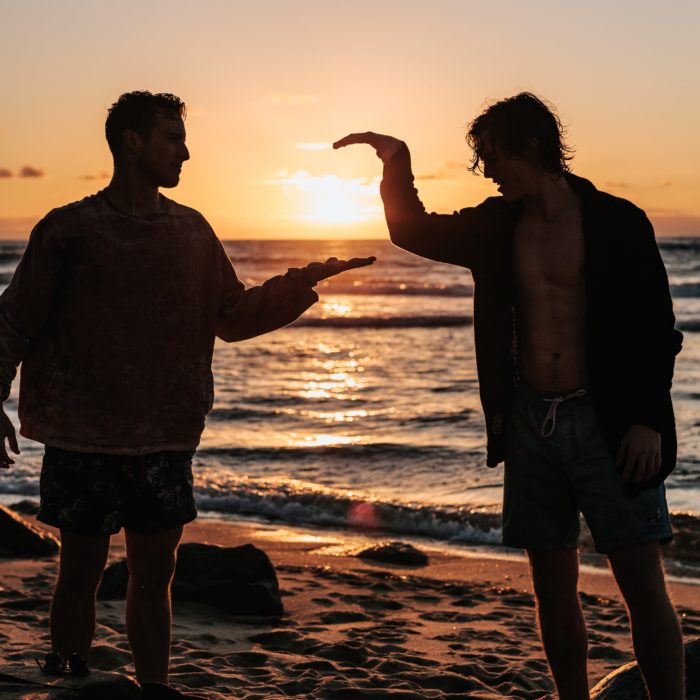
column 323, row 440
column 333, row 307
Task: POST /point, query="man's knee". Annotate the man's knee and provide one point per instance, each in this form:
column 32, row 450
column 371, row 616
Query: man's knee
column 153, row 575
column 554, row 576
column 151, row 559
column 640, row 574
column 145, row 583
column 82, row 561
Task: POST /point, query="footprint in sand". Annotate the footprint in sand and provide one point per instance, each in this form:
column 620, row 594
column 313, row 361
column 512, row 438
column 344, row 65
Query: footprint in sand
column 108, row 658
column 323, row 602
column 247, row 659
column 285, row 640
column 340, row 617
column 350, row 654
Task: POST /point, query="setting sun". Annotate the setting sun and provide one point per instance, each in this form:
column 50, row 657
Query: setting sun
column 329, row 199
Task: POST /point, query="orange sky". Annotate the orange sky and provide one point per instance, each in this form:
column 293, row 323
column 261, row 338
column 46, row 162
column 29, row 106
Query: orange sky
column 270, row 85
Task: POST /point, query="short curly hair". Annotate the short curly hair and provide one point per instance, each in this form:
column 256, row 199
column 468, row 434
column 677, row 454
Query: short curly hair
column 138, row 111
column 512, row 124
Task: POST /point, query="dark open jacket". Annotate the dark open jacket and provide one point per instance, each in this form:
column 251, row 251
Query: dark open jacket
column 631, row 342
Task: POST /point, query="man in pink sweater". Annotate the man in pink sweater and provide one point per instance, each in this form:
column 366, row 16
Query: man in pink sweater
column 113, row 312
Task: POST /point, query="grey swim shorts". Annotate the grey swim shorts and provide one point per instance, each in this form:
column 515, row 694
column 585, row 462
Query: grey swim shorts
column 558, row 466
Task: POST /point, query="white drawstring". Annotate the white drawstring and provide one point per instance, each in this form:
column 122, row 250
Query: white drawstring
column 552, row 414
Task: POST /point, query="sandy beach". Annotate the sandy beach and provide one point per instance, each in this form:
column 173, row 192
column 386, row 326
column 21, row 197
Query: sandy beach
column 462, row 626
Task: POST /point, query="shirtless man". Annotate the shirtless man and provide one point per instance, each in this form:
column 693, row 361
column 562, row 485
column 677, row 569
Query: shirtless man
column 575, row 347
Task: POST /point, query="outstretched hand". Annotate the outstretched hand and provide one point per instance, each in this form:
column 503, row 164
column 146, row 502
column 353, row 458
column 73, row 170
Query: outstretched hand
column 7, row 432
column 385, row 146
column 316, row 271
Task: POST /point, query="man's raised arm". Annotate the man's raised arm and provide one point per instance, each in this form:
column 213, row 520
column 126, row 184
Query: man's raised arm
column 453, row 238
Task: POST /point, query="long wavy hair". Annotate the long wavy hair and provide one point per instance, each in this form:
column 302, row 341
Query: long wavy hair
column 518, row 124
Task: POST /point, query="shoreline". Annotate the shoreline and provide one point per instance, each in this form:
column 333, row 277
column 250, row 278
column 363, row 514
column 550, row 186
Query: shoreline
column 461, row 626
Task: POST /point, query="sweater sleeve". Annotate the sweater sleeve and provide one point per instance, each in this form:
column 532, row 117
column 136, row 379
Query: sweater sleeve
column 26, row 304
column 459, row 238
column 246, row 313
column 657, row 341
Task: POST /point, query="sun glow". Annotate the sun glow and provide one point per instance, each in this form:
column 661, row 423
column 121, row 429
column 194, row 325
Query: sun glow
column 329, row 199
column 325, row 440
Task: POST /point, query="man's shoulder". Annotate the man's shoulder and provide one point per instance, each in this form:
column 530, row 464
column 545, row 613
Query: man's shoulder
column 609, row 203
column 182, row 210
column 73, row 210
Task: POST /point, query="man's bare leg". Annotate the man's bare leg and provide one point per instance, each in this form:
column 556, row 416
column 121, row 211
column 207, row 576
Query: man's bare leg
column 151, row 562
column 656, row 630
column 72, row 615
column 563, row 630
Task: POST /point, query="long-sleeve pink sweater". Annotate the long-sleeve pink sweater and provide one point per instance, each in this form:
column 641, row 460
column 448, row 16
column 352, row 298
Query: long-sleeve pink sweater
column 114, row 317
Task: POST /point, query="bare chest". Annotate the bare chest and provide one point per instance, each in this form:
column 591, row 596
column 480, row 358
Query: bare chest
column 549, row 255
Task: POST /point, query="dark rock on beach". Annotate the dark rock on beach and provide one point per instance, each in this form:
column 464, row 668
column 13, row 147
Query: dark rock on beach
column 25, row 507
column 626, row 682
column 395, row 553
column 239, row 580
column 119, row 688
column 19, row 538
column 18, row 681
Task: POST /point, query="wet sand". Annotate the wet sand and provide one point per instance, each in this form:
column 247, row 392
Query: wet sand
column 461, row 627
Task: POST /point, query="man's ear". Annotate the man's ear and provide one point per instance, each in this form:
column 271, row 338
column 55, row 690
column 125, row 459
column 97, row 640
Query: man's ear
column 531, row 152
column 131, row 141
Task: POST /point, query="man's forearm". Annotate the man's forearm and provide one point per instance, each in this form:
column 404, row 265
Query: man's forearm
column 272, row 305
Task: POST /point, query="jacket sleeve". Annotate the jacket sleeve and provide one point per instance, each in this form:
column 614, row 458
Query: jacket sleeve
column 656, row 341
column 245, row 313
column 458, row 238
column 26, row 304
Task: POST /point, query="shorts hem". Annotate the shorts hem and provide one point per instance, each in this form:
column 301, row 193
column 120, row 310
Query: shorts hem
column 161, row 528
column 78, row 530
column 56, row 522
column 547, row 545
column 609, row 547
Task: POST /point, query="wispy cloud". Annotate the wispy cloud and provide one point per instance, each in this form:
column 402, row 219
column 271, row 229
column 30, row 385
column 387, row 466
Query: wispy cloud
column 446, row 172
column 4, row 172
column 30, row 171
column 280, row 99
column 314, row 146
column 102, row 176
column 623, row 184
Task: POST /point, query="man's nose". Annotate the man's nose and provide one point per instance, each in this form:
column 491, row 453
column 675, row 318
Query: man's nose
column 185, row 152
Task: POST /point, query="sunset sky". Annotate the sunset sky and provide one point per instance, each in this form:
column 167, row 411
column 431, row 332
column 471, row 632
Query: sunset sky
column 269, row 85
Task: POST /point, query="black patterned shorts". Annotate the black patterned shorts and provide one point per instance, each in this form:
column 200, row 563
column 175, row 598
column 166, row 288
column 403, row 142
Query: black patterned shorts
column 100, row 493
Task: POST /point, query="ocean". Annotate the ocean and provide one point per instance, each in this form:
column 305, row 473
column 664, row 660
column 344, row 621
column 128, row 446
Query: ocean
column 365, row 413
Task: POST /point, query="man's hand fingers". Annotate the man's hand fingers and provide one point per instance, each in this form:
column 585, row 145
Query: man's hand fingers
column 631, row 464
column 5, row 460
column 317, row 271
column 653, row 465
column 361, row 262
column 12, row 441
column 367, row 137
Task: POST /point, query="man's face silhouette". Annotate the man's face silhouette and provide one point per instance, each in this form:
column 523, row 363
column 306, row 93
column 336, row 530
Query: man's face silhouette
column 162, row 154
column 514, row 175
